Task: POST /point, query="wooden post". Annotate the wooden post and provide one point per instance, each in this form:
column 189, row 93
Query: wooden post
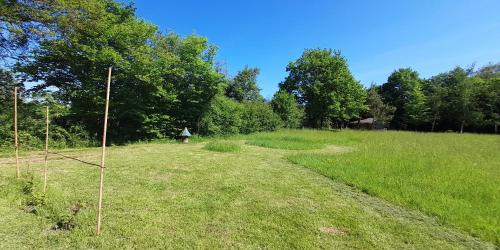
column 103, row 155
column 16, row 144
column 46, row 148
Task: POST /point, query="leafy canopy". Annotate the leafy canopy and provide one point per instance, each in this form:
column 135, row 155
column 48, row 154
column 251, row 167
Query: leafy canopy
column 322, row 82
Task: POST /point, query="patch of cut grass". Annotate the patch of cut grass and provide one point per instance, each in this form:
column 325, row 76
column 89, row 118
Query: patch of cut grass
column 453, row 177
column 223, row 146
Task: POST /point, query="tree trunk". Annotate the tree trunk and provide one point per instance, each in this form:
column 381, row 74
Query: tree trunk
column 433, row 124
column 496, row 128
column 462, row 127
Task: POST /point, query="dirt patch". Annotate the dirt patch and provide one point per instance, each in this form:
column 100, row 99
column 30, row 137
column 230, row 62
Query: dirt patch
column 335, row 231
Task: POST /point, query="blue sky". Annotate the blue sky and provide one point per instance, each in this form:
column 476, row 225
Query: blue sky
column 376, row 37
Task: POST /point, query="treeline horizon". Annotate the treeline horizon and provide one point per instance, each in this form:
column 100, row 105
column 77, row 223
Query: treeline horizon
column 163, row 82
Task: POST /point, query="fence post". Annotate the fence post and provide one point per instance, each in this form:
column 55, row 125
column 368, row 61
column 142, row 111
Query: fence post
column 103, row 155
column 46, row 148
column 16, row 143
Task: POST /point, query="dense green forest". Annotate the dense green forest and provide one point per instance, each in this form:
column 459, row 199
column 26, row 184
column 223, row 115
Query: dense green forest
column 163, row 82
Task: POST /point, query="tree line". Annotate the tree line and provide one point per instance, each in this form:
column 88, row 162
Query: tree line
column 462, row 99
column 163, row 82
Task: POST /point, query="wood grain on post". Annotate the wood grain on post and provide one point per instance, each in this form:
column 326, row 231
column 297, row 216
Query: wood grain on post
column 46, row 148
column 16, row 143
column 103, row 155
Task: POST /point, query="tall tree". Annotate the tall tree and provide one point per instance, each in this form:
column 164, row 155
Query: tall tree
column 243, row 87
column 403, row 90
column 380, row 111
column 322, row 82
column 488, row 102
column 462, row 104
column 191, row 72
column 285, row 105
column 436, row 95
column 160, row 82
column 23, row 23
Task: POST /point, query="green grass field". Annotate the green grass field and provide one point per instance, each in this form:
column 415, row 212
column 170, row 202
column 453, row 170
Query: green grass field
column 290, row 189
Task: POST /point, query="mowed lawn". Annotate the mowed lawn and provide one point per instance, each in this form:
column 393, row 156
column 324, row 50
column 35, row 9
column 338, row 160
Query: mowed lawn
column 247, row 192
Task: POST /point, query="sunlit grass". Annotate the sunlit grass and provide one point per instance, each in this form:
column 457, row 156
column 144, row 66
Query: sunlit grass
column 294, row 139
column 178, row 195
column 454, row 177
column 223, row 146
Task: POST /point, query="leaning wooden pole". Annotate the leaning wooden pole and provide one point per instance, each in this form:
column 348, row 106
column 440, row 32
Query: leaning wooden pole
column 46, row 148
column 103, row 155
column 16, row 143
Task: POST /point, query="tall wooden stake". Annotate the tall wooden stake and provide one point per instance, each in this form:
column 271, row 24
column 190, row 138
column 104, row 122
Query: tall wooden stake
column 46, row 148
column 103, row 156
column 16, row 144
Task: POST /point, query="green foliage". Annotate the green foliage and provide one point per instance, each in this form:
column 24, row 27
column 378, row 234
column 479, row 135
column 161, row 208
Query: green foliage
column 258, row 117
column 160, row 82
column 23, row 22
column 322, row 82
column 489, row 102
column 222, row 118
column 31, row 119
column 403, row 90
column 164, row 82
column 222, row 146
column 226, row 116
column 377, row 109
column 243, row 87
column 285, row 105
column 191, row 72
column 458, row 100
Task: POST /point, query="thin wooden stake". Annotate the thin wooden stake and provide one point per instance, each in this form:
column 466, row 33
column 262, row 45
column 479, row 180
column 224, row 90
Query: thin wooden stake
column 46, row 148
column 103, row 156
column 16, row 144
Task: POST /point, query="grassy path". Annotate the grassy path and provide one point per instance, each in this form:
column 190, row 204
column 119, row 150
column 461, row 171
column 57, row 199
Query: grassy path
column 183, row 196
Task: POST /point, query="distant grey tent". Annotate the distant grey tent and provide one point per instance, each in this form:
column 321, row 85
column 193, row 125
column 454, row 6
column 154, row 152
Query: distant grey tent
column 185, row 135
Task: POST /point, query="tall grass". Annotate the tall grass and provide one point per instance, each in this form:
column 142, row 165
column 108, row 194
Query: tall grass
column 223, row 146
column 296, row 139
column 453, row 177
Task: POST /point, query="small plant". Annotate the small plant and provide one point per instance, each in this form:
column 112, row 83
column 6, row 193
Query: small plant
column 27, row 183
column 64, row 222
column 32, row 200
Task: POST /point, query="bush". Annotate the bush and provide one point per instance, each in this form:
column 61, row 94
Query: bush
column 222, row 118
column 227, row 117
column 285, row 105
column 258, row 117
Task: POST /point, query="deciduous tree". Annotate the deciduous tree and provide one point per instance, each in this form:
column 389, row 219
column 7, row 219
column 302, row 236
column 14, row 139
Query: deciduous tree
column 243, row 87
column 321, row 81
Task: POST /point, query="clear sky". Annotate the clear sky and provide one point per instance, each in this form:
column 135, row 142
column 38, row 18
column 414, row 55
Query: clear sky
column 376, row 37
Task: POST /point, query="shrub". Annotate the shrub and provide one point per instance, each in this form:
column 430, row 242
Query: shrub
column 227, row 117
column 222, row 118
column 285, row 105
column 259, row 117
